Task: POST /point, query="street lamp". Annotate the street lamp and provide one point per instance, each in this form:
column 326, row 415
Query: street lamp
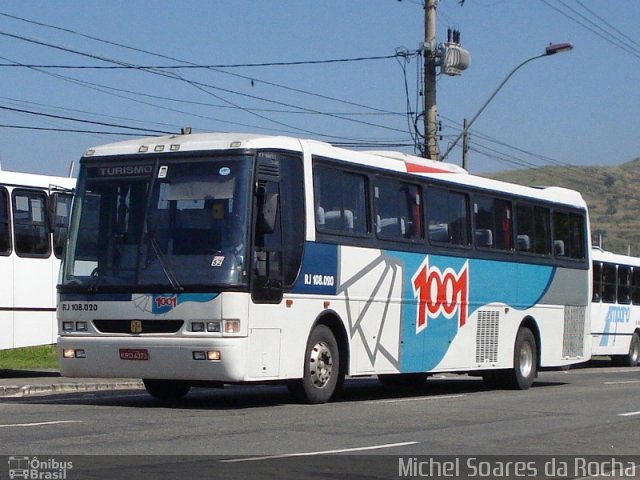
column 551, row 49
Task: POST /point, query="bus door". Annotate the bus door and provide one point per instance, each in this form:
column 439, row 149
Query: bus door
column 266, row 285
column 6, row 273
column 33, row 284
column 278, row 227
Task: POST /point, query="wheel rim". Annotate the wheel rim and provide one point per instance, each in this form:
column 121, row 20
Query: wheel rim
column 526, row 359
column 635, row 353
column 320, row 364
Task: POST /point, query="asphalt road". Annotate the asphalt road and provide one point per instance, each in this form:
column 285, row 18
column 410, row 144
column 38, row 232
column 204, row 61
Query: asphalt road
column 589, row 411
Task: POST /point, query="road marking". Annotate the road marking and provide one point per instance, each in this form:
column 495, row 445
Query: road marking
column 415, row 399
column 38, row 424
column 324, row 452
column 628, row 414
column 622, row 382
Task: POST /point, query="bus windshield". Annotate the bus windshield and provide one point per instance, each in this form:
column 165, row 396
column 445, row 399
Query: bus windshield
column 162, row 225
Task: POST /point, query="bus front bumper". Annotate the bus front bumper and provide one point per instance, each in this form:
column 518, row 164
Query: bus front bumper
column 218, row 360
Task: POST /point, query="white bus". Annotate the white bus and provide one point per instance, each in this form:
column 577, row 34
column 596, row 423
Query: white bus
column 615, row 307
column 229, row 258
column 34, row 214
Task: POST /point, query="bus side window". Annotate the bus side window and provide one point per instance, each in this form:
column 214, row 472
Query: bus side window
column 29, row 223
column 597, row 282
column 5, row 231
column 340, row 201
column 398, row 210
column 493, row 221
column 568, row 235
column 533, row 233
column 635, row 286
column 608, row 283
column 447, row 217
column 624, row 288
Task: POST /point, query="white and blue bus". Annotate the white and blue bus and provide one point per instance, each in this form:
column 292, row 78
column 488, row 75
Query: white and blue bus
column 233, row 258
column 615, row 307
column 34, row 214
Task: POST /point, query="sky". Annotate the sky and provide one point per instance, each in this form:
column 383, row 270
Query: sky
column 268, row 72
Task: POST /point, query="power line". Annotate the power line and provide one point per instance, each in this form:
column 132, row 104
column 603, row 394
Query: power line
column 612, row 27
column 509, row 159
column 201, row 67
column 27, row 104
column 593, row 27
column 73, row 119
column 120, row 93
column 166, row 57
column 205, row 88
column 69, row 130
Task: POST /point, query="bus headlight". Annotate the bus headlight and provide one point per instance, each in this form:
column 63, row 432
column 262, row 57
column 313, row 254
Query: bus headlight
column 197, row 326
column 75, row 327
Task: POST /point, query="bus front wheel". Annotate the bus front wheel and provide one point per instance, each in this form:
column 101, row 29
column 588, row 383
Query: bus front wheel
column 322, row 373
column 632, row 359
column 167, row 390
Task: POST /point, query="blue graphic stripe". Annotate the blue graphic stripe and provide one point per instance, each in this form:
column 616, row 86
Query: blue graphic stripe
column 520, row 286
column 319, row 271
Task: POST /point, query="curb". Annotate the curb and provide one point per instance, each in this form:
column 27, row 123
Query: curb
column 29, row 390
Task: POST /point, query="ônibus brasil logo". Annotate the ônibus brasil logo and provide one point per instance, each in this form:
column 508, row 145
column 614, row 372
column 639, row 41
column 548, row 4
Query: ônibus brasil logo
column 441, row 293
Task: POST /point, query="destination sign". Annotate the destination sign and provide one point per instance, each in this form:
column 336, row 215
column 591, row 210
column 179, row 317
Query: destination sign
column 121, row 171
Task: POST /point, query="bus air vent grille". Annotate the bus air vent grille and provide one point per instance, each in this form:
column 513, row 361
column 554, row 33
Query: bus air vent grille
column 269, row 170
column 573, row 337
column 140, row 327
column 487, row 336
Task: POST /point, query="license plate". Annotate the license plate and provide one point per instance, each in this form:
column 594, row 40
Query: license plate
column 134, row 354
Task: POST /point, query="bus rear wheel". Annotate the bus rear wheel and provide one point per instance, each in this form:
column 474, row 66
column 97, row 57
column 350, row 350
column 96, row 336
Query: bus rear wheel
column 323, row 375
column 525, row 365
column 525, row 361
column 167, row 390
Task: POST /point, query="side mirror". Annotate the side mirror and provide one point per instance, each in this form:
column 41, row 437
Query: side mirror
column 59, row 205
column 58, row 213
column 51, row 213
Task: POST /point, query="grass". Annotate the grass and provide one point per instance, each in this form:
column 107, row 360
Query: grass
column 27, row 358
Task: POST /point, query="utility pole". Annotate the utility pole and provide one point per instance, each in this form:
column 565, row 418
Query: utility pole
column 430, row 149
column 465, row 143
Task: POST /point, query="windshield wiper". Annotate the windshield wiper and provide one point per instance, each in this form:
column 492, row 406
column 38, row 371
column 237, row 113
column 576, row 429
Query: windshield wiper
column 95, row 280
column 166, row 268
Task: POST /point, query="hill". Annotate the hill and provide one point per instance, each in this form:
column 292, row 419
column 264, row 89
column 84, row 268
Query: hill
column 612, row 193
